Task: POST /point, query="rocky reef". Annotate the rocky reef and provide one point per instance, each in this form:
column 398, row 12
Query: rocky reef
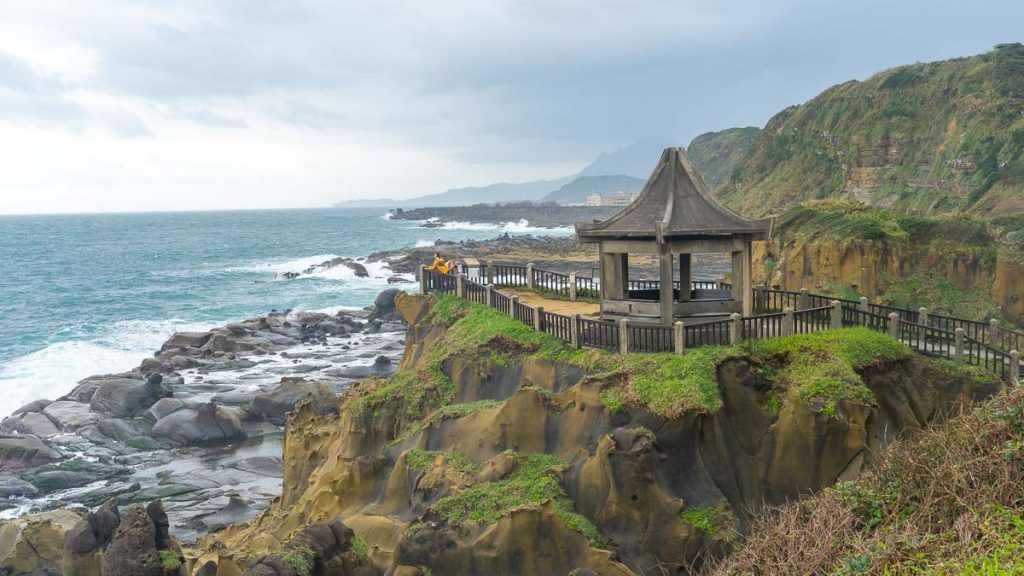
column 498, row 450
column 198, row 425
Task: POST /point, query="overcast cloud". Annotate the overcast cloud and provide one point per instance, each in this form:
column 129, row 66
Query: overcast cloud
column 243, row 104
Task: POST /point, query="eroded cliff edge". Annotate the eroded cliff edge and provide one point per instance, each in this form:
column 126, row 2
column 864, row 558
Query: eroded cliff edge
column 497, row 450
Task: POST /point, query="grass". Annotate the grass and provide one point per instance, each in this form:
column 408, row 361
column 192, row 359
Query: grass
column 710, row 519
column 360, row 550
column 534, row 479
column 950, row 500
column 299, row 560
column 169, row 560
column 454, row 460
column 935, row 291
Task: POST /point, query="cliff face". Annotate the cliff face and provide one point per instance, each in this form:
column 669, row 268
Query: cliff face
column 717, row 155
column 495, row 450
column 931, row 137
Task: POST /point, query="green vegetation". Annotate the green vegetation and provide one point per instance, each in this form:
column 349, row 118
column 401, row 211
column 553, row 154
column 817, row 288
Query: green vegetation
column 169, row 560
column 534, row 479
column 710, row 519
column 454, row 460
column 935, row 290
column 948, row 501
column 717, row 155
column 360, row 550
column 824, row 364
column 927, row 138
column 671, row 385
column 299, row 560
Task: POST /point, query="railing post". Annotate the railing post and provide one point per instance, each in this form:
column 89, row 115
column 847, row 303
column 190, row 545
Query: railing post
column 490, row 271
column 736, row 328
column 679, row 337
column 572, row 286
column 958, row 352
column 512, row 306
column 490, row 295
column 1015, row 367
column 538, row 312
column 836, row 315
column 894, row 325
column 623, row 336
column 788, row 322
column 922, row 330
column 460, row 285
column 574, row 331
column 529, row 275
column 761, row 298
column 804, row 302
column 866, row 309
column 423, row 279
column 994, row 335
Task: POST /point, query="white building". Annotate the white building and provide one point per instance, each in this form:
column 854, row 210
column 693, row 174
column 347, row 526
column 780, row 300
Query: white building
column 617, row 199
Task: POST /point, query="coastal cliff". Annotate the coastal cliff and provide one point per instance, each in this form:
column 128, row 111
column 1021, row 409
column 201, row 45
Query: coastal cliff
column 495, row 449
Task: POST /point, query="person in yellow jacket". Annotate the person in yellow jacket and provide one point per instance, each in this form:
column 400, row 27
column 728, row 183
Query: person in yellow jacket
column 440, row 265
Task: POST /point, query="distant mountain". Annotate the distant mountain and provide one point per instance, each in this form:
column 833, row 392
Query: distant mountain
column 716, row 155
column 936, row 137
column 576, row 192
column 501, row 192
column 636, row 160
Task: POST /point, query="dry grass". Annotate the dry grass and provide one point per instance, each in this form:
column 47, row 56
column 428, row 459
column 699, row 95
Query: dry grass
column 948, row 501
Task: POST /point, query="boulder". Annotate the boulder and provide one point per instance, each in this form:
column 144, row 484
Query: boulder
column 17, row 452
column 14, row 486
column 384, row 306
column 203, row 424
column 34, row 406
column 132, row 551
column 54, row 480
column 275, row 404
column 125, row 398
column 163, row 407
column 186, row 340
column 32, row 423
column 70, row 415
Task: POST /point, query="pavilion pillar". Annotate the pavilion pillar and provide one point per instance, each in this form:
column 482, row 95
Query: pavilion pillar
column 665, row 298
column 742, row 273
column 685, row 277
column 614, row 275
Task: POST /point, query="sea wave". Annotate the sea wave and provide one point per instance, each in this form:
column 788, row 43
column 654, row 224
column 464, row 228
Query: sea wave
column 425, row 243
column 519, row 227
column 54, row 370
column 280, row 266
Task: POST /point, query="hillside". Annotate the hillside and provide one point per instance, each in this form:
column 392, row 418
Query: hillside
column 576, row 192
column 716, row 155
column 935, row 137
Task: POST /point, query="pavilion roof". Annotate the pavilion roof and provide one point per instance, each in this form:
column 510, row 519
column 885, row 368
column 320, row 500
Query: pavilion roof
column 674, row 203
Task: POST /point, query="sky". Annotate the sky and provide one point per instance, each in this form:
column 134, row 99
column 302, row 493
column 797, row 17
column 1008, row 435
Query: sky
column 182, row 105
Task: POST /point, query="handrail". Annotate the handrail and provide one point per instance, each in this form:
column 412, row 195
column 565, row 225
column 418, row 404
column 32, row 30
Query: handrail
column 971, row 341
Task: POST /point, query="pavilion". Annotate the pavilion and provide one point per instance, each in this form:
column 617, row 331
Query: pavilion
column 675, row 215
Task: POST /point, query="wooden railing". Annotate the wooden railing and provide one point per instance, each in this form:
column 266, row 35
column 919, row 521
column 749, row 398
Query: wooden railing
column 984, row 344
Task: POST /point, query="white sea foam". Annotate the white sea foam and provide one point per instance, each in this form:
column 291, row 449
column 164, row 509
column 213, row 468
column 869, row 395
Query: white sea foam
column 387, row 216
column 280, row 266
column 54, row 370
column 520, row 227
column 425, row 243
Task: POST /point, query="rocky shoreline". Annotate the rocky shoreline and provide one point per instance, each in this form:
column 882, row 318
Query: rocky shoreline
column 199, row 424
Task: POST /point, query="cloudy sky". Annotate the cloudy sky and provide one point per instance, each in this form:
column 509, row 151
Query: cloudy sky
column 164, row 105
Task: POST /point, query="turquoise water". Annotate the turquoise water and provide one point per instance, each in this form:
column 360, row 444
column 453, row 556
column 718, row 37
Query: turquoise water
column 88, row 294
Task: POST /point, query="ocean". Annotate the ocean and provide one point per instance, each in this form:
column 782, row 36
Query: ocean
column 95, row 294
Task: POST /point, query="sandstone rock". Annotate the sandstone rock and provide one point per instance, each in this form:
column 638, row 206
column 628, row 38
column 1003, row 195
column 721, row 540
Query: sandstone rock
column 275, row 404
column 33, row 545
column 203, row 424
column 70, row 415
column 132, row 551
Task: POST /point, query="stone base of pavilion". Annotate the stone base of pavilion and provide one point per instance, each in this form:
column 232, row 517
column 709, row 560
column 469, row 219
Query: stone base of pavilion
column 644, row 306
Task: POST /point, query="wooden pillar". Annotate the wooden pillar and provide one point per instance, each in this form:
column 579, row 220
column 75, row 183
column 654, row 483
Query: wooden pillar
column 665, row 298
column 1015, row 367
column 574, row 331
column 623, row 336
column 423, row 279
column 685, row 277
column 572, row 286
column 958, row 351
column 538, row 318
column 679, row 337
column 836, row 315
column 614, row 275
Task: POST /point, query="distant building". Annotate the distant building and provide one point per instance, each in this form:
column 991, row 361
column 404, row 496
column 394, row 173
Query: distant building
column 617, row 199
